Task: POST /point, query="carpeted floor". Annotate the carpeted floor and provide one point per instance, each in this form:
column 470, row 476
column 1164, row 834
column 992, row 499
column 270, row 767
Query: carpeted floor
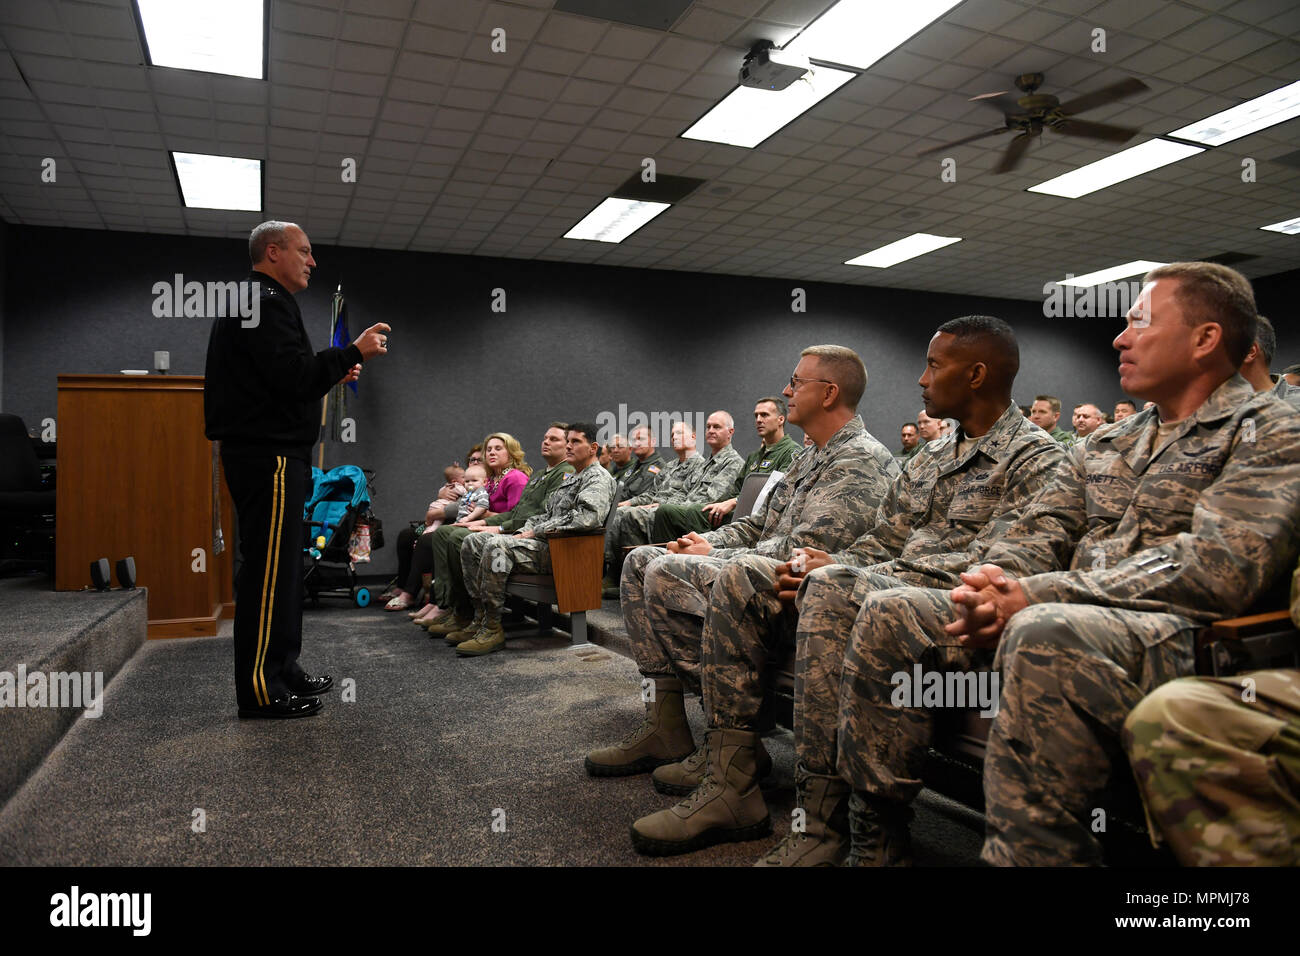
column 434, row 751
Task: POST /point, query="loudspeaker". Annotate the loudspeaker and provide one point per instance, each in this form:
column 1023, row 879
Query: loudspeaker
column 126, row 572
column 99, row 575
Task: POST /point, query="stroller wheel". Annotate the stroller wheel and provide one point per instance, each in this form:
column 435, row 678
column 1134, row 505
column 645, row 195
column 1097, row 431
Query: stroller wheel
column 362, row 597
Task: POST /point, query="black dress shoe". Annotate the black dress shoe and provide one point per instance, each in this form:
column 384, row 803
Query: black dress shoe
column 285, row 707
column 311, row 686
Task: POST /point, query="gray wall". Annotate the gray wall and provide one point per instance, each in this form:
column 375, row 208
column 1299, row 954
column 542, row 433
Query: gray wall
column 575, row 341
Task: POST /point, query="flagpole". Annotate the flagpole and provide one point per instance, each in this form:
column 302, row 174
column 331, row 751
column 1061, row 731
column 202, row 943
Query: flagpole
column 325, row 399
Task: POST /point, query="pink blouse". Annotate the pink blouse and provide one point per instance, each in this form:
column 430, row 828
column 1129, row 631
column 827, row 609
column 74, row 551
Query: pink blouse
column 504, row 492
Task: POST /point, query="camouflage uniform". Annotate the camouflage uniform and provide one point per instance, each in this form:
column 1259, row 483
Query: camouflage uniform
column 826, row 500
column 1220, row 776
column 697, row 484
column 619, row 472
column 448, row 574
column 941, row 516
column 672, row 521
column 580, row 504
column 1177, row 531
column 1286, row 391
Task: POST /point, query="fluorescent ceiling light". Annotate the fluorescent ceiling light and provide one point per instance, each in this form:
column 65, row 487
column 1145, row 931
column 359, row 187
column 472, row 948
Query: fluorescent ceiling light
column 747, row 116
column 219, row 182
column 215, row 36
column 857, row 33
column 1115, row 169
column 1250, row 117
column 1291, row 227
column 1136, row 267
column 917, row 244
column 615, row 219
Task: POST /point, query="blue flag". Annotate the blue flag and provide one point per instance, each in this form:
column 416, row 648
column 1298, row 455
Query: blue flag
column 342, row 338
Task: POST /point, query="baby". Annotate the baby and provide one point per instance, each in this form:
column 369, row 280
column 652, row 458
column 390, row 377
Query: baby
column 472, row 504
column 453, row 484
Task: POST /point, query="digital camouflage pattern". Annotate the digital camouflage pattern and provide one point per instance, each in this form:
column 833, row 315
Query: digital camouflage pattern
column 448, row 577
column 1286, row 391
column 1220, row 774
column 675, row 520
column 673, row 481
column 713, row 481
column 633, row 524
column 827, row 499
column 829, row 495
column 581, row 503
column 939, row 517
column 1154, row 537
column 947, row 508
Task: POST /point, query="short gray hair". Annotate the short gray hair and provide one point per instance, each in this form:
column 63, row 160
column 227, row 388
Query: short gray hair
column 270, row 233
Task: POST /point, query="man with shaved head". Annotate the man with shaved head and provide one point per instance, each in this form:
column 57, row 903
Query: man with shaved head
column 1087, row 418
column 827, row 499
column 775, row 453
column 697, row 486
column 951, row 502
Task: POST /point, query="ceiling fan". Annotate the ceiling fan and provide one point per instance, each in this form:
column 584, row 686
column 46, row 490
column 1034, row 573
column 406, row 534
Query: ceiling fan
column 1030, row 114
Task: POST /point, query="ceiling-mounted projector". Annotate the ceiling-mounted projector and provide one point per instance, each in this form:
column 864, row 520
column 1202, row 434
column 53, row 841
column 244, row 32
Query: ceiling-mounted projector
column 767, row 68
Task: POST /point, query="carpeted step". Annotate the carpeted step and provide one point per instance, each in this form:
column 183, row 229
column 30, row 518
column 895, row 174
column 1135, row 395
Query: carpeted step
column 56, row 640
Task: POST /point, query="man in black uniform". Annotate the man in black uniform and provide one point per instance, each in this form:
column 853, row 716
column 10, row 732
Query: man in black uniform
column 261, row 400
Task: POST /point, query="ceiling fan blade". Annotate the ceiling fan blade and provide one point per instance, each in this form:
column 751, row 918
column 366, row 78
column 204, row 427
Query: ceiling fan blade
column 964, row 139
column 1103, row 131
column 1015, row 153
column 1107, row 94
column 1003, row 102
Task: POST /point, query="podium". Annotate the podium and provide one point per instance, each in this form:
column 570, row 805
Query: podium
column 135, row 477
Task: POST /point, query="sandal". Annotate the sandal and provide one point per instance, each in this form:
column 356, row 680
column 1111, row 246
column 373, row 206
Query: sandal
column 398, row 604
column 424, row 620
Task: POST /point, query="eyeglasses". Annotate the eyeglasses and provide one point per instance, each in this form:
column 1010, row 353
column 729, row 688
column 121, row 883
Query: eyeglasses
column 796, row 381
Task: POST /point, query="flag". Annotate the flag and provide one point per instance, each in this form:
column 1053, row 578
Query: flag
column 340, row 337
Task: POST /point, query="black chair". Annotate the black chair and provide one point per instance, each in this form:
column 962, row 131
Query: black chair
column 26, row 505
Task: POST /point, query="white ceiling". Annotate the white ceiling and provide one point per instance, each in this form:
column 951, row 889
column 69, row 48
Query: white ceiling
column 463, row 150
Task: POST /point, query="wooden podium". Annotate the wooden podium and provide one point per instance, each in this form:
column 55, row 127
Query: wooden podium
column 135, row 478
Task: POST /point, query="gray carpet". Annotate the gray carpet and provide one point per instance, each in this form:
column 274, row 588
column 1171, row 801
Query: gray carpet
column 434, row 749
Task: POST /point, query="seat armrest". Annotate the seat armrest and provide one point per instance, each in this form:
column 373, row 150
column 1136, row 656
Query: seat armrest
column 1239, row 627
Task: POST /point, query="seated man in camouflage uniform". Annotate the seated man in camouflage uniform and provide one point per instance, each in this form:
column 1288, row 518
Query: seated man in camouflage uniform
column 581, row 503
column 827, row 498
column 1255, row 369
column 1218, row 764
column 1188, row 512
column 449, row 591
column 775, row 452
column 954, row 498
column 631, row 525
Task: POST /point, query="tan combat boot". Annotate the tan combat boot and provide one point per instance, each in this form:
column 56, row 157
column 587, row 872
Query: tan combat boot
column 727, row 806
column 823, row 835
column 466, row 632
column 445, row 623
column 879, row 830
column 490, row 637
column 663, row 737
column 679, row 779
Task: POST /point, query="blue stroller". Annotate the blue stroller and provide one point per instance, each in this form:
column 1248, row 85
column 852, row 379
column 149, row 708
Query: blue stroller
column 341, row 532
